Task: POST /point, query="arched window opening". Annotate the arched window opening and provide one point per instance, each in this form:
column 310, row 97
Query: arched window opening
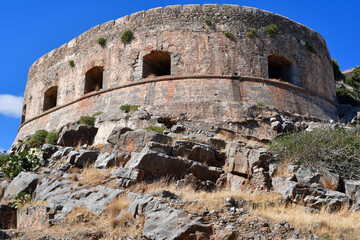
column 23, row 114
column 156, row 63
column 93, row 79
column 50, row 98
column 280, row 68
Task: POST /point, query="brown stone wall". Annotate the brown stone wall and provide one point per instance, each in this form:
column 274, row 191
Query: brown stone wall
column 196, row 50
column 7, row 217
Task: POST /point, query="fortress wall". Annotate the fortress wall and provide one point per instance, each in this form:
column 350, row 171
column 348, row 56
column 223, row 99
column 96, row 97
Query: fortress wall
column 195, row 49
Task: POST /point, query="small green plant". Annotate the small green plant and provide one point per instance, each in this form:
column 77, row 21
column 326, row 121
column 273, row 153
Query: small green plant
column 208, row 22
column 350, row 81
column 336, row 69
column 38, row 139
column 346, row 96
column 72, row 63
column 52, row 138
column 251, row 33
column 12, row 164
column 298, row 39
column 310, row 47
column 228, row 34
column 97, row 114
column 21, row 199
column 127, row 36
column 260, row 104
column 101, row 41
column 87, row 120
column 356, row 73
column 271, row 30
column 155, row 129
column 129, row 108
column 127, row 117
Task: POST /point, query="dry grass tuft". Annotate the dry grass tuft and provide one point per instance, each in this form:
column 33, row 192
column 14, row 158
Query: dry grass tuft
column 80, row 209
column 118, row 205
column 129, row 227
column 91, row 175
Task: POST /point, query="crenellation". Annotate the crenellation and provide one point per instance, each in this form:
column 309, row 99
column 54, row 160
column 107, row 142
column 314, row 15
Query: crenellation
column 210, row 8
column 107, row 26
column 137, row 17
column 231, row 9
column 174, row 10
column 191, row 8
column 154, row 12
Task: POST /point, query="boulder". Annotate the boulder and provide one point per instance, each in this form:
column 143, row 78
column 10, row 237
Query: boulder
column 49, row 150
column 135, row 141
column 243, row 160
column 285, row 187
column 84, row 157
column 198, row 152
column 24, row 182
column 235, row 182
column 352, row 187
column 105, row 160
column 114, row 137
column 77, row 134
column 126, row 177
column 62, row 152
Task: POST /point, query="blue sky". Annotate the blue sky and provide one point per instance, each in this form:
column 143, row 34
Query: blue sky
column 31, row 28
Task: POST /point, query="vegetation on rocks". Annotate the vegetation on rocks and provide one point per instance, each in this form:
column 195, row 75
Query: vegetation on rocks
column 155, row 129
column 208, row 22
column 87, row 120
column 72, row 63
column 129, row 108
column 21, row 199
column 338, row 149
column 12, row 164
column 52, row 138
column 251, row 33
column 346, row 96
column 101, row 41
column 228, row 34
column 127, row 36
column 38, row 139
column 356, row 73
column 336, row 69
column 271, row 30
column 310, row 47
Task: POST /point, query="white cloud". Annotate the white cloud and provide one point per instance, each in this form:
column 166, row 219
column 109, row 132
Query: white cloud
column 11, row 105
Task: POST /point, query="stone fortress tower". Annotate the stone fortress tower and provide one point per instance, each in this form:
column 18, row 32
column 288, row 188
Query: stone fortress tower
column 182, row 66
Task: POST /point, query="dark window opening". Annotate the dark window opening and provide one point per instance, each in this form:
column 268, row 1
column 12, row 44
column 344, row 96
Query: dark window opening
column 280, row 68
column 23, row 114
column 50, row 98
column 94, row 79
column 156, row 63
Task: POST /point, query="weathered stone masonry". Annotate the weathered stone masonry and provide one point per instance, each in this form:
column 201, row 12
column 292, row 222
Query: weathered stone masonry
column 175, row 58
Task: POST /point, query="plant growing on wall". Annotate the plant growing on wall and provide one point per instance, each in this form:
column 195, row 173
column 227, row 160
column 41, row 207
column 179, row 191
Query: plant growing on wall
column 72, row 63
column 129, row 108
column 38, row 138
column 228, row 34
column 101, row 41
column 208, row 22
column 52, row 138
column 310, row 47
column 155, row 129
column 251, row 33
column 87, row 120
column 271, row 30
column 336, row 69
column 127, row 36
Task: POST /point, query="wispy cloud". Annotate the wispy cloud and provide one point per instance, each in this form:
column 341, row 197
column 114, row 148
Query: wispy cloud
column 11, row 105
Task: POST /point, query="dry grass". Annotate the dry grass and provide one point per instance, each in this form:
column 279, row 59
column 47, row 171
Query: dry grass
column 132, row 228
column 34, row 204
column 343, row 224
column 282, row 170
column 91, row 175
column 80, row 209
column 118, row 204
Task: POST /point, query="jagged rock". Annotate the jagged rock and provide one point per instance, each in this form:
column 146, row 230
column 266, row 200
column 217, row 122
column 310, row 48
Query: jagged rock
column 114, row 137
column 83, row 157
column 307, row 174
column 216, row 143
column 7, row 217
column 126, row 176
column 289, row 127
column 74, row 135
column 273, row 169
column 242, row 160
column 196, row 151
column 157, row 164
column 178, row 128
column 284, row 186
column 159, row 147
column 164, row 222
column 64, row 167
column 276, row 126
column 135, row 141
column 62, row 152
column 105, row 160
column 24, row 182
column 352, row 187
column 49, row 188
column 48, row 150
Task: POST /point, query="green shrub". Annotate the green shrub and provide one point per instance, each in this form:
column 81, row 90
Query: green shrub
column 155, row 129
column 345, row 96
column 271, row 30
column 38, row 138
column 21, row 199
column 129, row 108
column 298, row 39
column 52, row 138
column 208, row 22
column 72, row 63
column 101, row 41
column 310, row 47
column 336, row 148
column 251, row 33
column 12, row 165
column 228, row 34
column 97, row 114
column 87, row 120
column 350, row 81
column 356, row 73
column 336, row 69
column 127, row 36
